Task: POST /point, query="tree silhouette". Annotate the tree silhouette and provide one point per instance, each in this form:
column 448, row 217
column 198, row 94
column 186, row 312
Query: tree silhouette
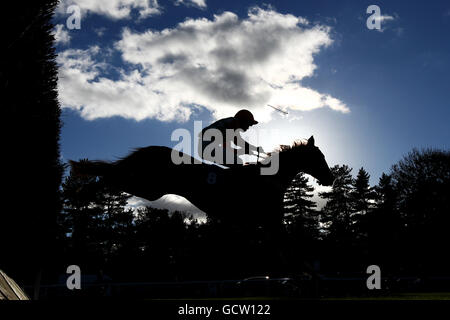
column 362, row 193
column 299, row 210
column 422, row 183
column 31, row 113
column 115, row 222
column 385, row 194
column 362, row 196
column 338, row 221
column 301, row 217
column 81, row 217
column 383, row 227
column 336, row 215
column 100, row 229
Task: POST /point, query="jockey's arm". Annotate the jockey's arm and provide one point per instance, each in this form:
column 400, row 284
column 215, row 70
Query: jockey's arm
column 248, row 148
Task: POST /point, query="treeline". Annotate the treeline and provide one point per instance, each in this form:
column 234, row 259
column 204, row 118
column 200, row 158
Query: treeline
column 103, row 236
column 400, row 224
column 31, row 124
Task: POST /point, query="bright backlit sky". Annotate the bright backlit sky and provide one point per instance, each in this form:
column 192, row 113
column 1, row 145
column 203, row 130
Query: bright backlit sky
column 137, row 70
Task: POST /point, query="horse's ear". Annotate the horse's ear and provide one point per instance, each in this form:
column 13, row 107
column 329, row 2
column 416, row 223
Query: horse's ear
column 311, row 141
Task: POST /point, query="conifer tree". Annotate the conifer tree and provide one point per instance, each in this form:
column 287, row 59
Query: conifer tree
column 336, row 214
column 362, row 193
column 300, row 214
column 31, row 124
column 362, row 196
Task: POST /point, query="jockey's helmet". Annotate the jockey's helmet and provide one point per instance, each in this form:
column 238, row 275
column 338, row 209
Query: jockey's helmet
column 245, row 116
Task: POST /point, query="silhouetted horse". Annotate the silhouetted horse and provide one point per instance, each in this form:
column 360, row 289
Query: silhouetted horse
column 238, row 195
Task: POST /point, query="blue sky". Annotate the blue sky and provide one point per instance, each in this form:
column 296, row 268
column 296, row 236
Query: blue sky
column 137, row 70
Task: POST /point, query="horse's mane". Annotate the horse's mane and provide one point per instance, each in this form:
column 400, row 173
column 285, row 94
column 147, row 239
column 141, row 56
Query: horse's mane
column 296, row 145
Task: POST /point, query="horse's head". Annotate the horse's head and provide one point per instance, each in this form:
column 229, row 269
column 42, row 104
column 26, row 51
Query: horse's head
column 308, row 158
column 316, row 164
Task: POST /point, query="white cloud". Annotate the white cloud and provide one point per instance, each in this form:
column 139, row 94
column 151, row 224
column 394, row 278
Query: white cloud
column 384, row 19
column 294, row 118
column 82, row 87
column 197, row 3
column 61, row 35
column 222, row 64
column 335, row 104
column 114, row 9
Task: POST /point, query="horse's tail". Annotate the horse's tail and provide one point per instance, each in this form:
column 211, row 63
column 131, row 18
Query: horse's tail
column 90, row 168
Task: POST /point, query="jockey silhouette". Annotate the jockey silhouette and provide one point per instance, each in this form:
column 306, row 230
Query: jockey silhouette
column 242, row 120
